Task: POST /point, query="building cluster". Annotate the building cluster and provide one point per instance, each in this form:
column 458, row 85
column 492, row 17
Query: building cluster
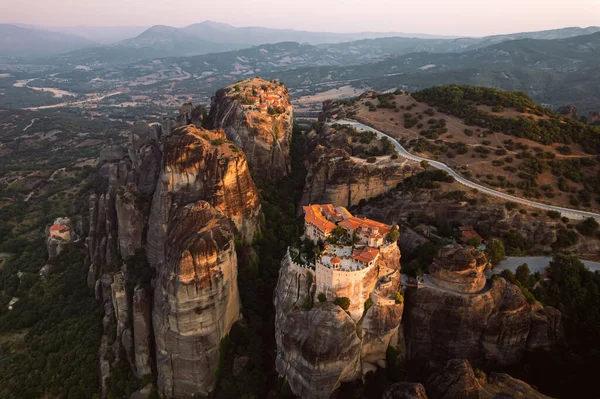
column 61, row 229
column 366, row 237
column 265, row 97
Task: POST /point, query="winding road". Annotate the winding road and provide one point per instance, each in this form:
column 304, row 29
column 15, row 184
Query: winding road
column 571, row 213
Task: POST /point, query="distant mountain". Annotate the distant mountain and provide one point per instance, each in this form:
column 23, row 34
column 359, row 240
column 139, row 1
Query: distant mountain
column 158, row 41
column 552, row 71
column 212, row 37
column 254, row 35
column 26, row 42
column 100, row 34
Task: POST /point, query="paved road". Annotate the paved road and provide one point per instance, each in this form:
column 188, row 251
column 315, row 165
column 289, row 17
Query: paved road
column 571, row 213
column 535, row 263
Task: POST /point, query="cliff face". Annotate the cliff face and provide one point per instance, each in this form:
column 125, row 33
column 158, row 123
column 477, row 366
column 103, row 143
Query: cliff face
column 165, row 225
column 337, row 175
column 492, row 327
column 459, row 269
column 320, row 347
column 196, row 299
column 200, row 165
column 257, row 116
column 456, row 379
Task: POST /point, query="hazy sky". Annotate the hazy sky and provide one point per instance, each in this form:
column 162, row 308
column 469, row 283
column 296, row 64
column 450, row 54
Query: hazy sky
column 451, row 17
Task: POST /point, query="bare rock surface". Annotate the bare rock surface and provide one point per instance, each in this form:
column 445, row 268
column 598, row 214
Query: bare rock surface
column 200, row 165
column 459, row 269
column 257, row 116
column 322, row 346
column 405, row 390
column 456, row 380
column 196, row 299
column 458, row 315
column 336, row 175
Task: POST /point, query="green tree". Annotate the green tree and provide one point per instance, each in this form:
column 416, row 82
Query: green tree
column 424, row 164
column 474, row 241
column 399, row 298
column 495, row 251
column 588, row 227
column 343, row 302
column 321, row 297
column 393, row 235
column 522, row 274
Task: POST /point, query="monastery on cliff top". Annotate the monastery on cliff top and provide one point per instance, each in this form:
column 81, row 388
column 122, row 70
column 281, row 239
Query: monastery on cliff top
column 368, row 235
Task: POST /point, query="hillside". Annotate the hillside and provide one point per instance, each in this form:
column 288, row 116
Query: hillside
column 498, row 139
column 553, row 72
column 16, row 41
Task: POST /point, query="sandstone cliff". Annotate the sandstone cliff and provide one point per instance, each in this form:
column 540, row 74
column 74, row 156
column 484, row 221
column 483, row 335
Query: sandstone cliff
column 320, row 347
column 456, row 379
column 196, row 299
column 337, row 174
column 200, row 165
column 491, row 327
column 257, row 116
column 162, row 252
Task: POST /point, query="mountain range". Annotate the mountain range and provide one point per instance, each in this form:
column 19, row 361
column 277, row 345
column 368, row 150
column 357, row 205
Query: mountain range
column 17, row 41
column 108, row 45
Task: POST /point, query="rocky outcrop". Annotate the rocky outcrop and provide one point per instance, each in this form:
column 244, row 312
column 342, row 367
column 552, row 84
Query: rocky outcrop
column 257, row 116
column 335, row 176
column 142, row 329
column 492, row 327
column 459, row 269
column 201, row 165
column 196, row 299
column 58, row 236
column 165, row 223
column 405, row 390
column 131, row 221
column 569, row 110
column 321, row 346
column 456, row 380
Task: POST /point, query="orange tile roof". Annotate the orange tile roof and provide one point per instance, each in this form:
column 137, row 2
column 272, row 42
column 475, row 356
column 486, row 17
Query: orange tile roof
column 59, row 227
column 314, row 216
column 468, row 232
column 344, row 212
column 353, row 223
column 366, row 255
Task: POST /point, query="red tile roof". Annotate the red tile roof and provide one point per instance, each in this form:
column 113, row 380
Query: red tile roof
column 59, row 227
column 468, row 232
column 314, row 216
column 366, row 255
column 353, row 223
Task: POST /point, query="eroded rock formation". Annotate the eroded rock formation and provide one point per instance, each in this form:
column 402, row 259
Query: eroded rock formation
column 337, row 175
column 58, row 236
column 201, row 165
column 162, row 252
column 196, row 299
column 257, row 116
column 405, row 390
column 320, row 347
column 491, row 327
column 459, row 269
column 457, row 380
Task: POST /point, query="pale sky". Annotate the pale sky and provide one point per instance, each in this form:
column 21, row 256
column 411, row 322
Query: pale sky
column 449, row 17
